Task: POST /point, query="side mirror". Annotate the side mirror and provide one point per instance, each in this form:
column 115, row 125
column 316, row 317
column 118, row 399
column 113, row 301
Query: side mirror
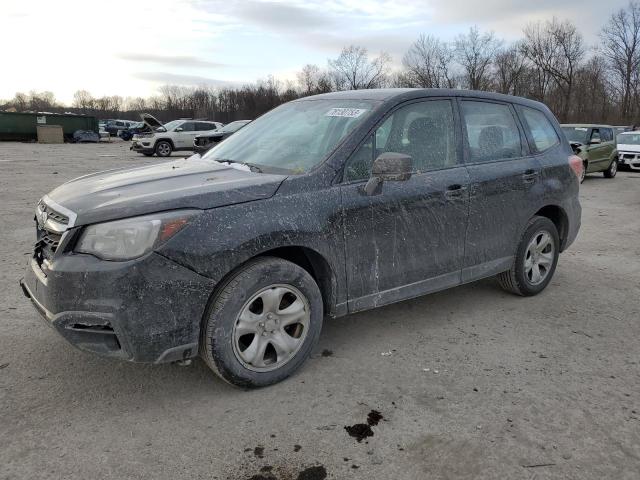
column 179, row 129
column 390, row 167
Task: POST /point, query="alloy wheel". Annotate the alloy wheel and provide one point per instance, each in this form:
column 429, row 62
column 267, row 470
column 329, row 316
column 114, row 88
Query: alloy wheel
column 271, row 327
column 539, row 257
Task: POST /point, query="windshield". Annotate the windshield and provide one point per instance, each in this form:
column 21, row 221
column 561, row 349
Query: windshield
column 576, row 134
column 629, row 139
column 295, row 137
column 173, row 124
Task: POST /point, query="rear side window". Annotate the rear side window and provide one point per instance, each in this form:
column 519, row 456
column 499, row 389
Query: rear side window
column 492, row 131
column 542, row 132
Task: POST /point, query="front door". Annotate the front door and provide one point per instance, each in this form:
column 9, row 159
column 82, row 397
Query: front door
column 407, row 238
column 184, row 138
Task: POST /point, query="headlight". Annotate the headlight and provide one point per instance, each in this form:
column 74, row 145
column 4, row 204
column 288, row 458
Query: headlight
column 131, row 238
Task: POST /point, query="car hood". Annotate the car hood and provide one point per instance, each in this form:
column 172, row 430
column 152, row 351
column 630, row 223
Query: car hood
column 150, row 121
column 194, row 183
column 627, row 147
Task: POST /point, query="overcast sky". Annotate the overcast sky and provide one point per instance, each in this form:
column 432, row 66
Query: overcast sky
column 130, row 48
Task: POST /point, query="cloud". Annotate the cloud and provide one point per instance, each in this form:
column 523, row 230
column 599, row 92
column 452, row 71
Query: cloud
column 178, row 79
column 283, row 17
column 169, row 60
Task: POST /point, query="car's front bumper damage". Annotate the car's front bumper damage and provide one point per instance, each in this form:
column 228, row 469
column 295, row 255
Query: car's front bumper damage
column 629, row 159
column 145, row 310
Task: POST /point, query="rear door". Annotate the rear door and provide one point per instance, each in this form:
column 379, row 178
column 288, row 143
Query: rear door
column 408, row 238
column 505, row 181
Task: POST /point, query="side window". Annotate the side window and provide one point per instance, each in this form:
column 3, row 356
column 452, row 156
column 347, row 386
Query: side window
column 188, row 127
column 492, row 132
column 607, row 134
column 542, row 132
column 424, row 130
column 595, row 136
column 360, row 163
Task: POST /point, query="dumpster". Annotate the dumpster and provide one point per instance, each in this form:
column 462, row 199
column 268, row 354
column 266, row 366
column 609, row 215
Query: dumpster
column 23, row 126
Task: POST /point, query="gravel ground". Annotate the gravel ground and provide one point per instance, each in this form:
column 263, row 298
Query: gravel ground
column 472, row 382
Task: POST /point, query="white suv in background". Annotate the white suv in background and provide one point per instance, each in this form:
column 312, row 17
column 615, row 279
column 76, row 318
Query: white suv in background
column 629, row 150
column 176, row 135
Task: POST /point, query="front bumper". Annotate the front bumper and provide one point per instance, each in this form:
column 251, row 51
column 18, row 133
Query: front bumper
column 631, row 160
column 144, row 310
column 143, row 145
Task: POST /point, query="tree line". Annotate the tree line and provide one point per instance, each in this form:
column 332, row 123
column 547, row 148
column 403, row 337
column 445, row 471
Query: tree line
column 551, row 63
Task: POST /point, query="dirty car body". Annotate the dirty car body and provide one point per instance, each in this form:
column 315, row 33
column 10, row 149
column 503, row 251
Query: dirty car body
column 449, row 204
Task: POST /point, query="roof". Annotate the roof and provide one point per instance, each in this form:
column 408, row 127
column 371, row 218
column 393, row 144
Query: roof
column 401, row 94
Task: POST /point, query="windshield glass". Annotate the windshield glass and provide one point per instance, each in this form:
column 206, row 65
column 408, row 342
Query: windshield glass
column 629, row 139
column 576, row 134
column 173, row 124
column 295, row 137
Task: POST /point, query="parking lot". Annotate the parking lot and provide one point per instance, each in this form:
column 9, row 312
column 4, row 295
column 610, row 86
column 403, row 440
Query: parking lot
column 471, row 382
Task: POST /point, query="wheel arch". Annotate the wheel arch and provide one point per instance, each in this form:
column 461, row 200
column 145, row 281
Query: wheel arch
column 306, row 258
column 164, row 139
column 559, row 218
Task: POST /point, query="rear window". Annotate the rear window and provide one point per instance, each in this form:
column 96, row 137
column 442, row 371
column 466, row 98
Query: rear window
column 492, row 131
column 542, row 132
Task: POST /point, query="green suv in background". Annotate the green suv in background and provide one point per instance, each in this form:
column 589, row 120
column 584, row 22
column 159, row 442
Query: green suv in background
column 596, row 145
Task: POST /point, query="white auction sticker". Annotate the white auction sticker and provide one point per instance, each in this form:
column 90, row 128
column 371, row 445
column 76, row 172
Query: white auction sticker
column 345, row 112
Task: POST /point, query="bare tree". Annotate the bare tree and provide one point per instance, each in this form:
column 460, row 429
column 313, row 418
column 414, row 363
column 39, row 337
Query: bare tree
column 427, row 64
column 511, row 74
column 353, row 70
column 621, row 47
column 556, row 48
column 475, row 52
column 82, row 99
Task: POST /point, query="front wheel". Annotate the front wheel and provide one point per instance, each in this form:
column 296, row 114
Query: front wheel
column 536, row 259
column 262, row 324
column 163, row 148
column 612, row 170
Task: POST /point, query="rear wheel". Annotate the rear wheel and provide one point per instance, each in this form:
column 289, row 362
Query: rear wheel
column 612, row 170
column 262, row 324
column 536, row 259
column 163, row 148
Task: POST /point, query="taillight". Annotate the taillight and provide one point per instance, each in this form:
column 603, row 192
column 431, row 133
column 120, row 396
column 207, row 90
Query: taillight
column 575, row 162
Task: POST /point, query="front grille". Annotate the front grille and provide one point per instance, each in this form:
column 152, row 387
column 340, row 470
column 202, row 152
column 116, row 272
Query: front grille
column 50, row 226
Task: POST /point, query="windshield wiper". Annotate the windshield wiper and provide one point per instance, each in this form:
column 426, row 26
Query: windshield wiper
column 254, row 168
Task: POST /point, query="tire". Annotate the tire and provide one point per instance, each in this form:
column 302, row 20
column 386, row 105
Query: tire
column 521, row 280
column 163, row 148
column 584, row 172
column 612, row 170
column 260, row 350
column 148, row 154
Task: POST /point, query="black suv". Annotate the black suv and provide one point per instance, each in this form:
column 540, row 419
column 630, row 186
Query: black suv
column 322, row 207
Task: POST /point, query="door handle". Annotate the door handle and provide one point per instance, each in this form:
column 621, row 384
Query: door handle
column 455, row 190
column 530, row 176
